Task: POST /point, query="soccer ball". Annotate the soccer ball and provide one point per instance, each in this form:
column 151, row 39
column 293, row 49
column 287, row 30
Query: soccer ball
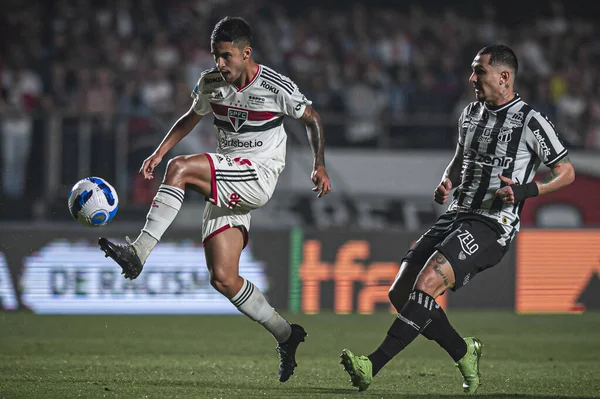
column 93, row 202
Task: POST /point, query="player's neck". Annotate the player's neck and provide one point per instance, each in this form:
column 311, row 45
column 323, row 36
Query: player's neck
column 247, row 75
column 504, row 98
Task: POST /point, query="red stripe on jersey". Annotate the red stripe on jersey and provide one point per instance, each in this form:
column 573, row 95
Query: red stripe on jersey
column 252, row 115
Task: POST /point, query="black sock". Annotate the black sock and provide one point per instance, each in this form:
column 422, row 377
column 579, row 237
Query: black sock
column 441, row 331
column 411, row 320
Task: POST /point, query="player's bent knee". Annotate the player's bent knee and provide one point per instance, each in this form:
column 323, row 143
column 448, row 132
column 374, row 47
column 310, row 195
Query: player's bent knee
column 403, row 284
column 223, row 282
column 176, row 166
column 432, row 283
column 398, row 296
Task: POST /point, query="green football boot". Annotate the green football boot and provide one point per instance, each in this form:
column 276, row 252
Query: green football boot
column 469, row 365
column 359, row 368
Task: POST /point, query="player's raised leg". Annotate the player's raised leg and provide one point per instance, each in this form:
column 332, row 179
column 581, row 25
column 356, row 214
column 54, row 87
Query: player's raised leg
column 182, row 171
column 223, row 252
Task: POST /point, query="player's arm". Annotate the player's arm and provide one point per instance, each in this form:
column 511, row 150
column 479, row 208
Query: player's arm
column 561, row 175
column 451, row 176
column 178, row 131
column 454, row 168
column 314, row 130
column 544, row 143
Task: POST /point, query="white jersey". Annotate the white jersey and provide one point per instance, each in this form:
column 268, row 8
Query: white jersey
column 249, row 120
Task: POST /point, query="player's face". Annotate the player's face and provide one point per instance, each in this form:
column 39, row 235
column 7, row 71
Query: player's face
column 230, row 60
column 485, row 79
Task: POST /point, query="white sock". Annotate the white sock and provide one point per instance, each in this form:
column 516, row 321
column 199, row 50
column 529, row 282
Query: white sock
column 165, row 206
column 251, row 302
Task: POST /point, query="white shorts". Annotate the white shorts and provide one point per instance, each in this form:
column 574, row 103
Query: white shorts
column 239, row 185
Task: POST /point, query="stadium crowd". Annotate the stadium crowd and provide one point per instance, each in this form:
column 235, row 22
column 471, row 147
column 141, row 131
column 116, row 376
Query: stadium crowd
column 382, row 76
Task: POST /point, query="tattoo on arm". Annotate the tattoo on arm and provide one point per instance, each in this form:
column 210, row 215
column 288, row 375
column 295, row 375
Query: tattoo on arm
column 314, row 130
column 440, row 260
column 554, row 172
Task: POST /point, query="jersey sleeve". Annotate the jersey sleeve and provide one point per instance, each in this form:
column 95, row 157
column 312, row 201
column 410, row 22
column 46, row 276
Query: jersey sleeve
column 200, row 104
column 293, row 101
column 463, row 125
column 543, row 140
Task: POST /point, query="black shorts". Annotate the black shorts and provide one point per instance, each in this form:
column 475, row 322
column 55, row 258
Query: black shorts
column 468, row 241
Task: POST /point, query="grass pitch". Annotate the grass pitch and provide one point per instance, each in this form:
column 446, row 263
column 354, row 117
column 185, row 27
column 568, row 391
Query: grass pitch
column 553, row 356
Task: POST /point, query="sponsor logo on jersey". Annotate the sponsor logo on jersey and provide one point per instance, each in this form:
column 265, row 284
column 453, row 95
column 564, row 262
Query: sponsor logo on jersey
column 218, row 95
column 234, row 200
column 269, row 87
column 486, row 136
column 256, row 100
column 467, row 243
column 505, row 134
column 215, row 79
column 542, row 142
column 467, row 278
column 237, row 117
column 240, row 143
column 516, row 120
column 301, row 103
column 490, row 160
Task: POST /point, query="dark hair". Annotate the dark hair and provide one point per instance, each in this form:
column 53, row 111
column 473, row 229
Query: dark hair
column 501, row 55
column 234, row 30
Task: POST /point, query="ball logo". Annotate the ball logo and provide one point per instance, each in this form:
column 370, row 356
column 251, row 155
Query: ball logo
column 99, row 218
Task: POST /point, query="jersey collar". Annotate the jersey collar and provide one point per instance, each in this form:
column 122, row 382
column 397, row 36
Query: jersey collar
column 503, row 106
column 254, row 78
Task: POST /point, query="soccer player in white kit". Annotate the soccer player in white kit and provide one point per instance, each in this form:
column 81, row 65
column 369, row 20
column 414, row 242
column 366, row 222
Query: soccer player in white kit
column 249, row 102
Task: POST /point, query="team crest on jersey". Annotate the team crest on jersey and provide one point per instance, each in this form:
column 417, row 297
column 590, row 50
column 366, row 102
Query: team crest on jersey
column 486, row 136
column 505, row 134
column 516, row 120
column 237, row 117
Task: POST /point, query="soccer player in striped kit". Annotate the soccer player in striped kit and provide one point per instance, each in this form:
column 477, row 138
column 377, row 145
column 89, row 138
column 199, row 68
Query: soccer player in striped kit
column 249, row 102
column 501, row 143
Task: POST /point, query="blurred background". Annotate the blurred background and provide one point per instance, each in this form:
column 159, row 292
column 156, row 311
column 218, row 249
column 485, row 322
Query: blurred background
column 89, row 88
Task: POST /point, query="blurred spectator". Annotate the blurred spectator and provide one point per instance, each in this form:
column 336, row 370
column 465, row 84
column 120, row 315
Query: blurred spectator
column 364, row 105
column 593, row 133
column 415, row 53
column 16, row 143
column 157, row 91
column 101, row 94
column 387, row 74
column 570, row 110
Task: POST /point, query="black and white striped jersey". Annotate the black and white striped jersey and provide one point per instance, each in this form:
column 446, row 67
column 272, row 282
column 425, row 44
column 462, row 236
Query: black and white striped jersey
column 513, row 140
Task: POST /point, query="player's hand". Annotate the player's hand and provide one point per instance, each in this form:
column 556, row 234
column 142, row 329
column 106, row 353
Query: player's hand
column 321, row 180
column 148, row 166
column 506, row 193
column 442, row 191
